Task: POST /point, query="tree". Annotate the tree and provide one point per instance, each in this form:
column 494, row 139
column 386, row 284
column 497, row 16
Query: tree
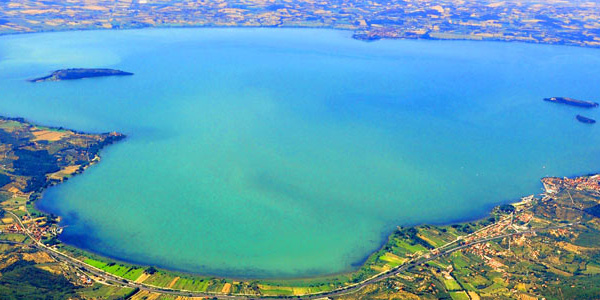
column 507, row 208
column 151, row 270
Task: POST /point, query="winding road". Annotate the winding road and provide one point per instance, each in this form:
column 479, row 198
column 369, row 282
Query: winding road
column 110, row 278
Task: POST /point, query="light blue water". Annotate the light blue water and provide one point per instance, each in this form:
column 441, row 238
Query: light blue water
column 279, row 152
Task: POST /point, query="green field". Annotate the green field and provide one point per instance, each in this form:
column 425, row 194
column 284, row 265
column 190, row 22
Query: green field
column 452, row 285
column 592, row 269
column 15, row 237
column 459, row 296
column 275, row 290
column 130, row 273
column 100, row 291
column 404, row 247
column 391, row 259
column 160, row 279
column 192, row 284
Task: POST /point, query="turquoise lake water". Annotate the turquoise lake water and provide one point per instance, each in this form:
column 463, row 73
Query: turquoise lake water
column 295, row 152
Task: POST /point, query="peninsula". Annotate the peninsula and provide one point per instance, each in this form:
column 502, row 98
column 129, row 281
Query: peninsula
column 572, row 102
column 80, row 73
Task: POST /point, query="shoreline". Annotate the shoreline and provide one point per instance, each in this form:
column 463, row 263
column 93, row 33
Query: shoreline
column 352, row 34
column 331, row 284
column 353, row 267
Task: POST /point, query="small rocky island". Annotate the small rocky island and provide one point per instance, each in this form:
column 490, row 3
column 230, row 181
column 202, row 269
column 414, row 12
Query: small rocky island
column 572, row 102
column 585, row 120
column 80, row 73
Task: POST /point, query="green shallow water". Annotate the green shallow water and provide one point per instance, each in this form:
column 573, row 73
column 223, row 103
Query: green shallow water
column 293, row 152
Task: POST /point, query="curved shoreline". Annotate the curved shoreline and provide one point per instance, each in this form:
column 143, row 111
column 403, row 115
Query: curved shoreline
column 350, row 270
column 345, row 281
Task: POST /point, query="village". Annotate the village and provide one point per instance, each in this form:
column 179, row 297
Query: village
column 554, row 184
column 38, row 228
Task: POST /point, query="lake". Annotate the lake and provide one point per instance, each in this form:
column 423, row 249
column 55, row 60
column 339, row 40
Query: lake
column 295, row 152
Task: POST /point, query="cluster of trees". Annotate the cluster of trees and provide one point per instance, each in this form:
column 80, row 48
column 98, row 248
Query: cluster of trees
column 34, row 164
column 594, row 211
column 507, row 208
column 411, row 234
column 466, row 228
column 4, row 179
column 23, row 280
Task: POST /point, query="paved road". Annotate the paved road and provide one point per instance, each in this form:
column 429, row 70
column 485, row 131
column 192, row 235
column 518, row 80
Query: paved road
column 338, row 292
